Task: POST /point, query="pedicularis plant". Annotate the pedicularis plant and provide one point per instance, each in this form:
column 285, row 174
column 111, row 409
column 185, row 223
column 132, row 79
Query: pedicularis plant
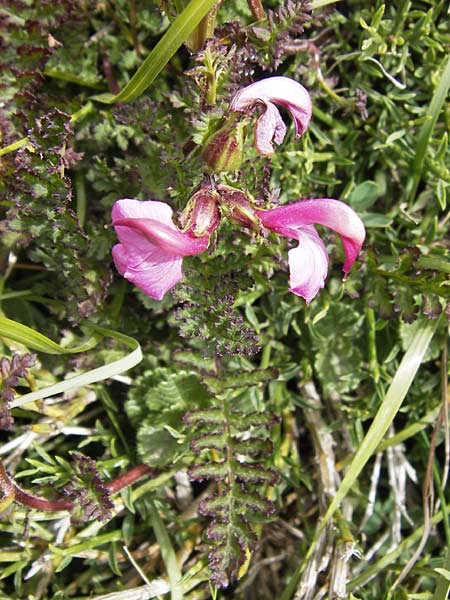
column 225, row 414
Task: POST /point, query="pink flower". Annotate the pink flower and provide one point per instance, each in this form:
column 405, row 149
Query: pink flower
column 151, row 249
column 308, row 262
column 270, row 126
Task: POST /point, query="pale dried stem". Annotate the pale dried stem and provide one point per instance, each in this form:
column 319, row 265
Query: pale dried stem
column 328, row 550
column 398, row 469
column 372, row 551
column 373, row 490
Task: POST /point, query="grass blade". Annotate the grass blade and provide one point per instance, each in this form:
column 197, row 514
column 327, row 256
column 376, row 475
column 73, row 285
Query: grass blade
column 168, row 554
column 174, row 37
column 386, row 413
column 426, row 130
column 92, row 376
column 33, row 339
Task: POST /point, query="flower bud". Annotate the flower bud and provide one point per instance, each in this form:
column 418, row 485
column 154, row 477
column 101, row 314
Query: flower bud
column 201, row 215
column 224, row 149
column 239, row 206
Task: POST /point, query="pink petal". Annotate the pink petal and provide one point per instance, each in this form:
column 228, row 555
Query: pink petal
column 308, row 264
column 270, row 126
column 152, row 248
column 325, row 211
column 154, row 275
column 167, row 238
column 142, row 209
column 278, row 90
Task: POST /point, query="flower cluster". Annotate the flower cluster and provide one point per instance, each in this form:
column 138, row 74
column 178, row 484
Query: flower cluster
column 152, row 247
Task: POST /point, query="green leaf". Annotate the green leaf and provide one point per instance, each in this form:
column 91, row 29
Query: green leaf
column 423, row 138
column 99, row 374
column 363, row 196
column 174, row 37
column 376, row 220
column 35, row 340
column 167, row 553
column 444, row 573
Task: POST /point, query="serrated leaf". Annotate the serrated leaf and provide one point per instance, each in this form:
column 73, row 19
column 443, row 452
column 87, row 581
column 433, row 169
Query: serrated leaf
column 156, row 446
column 213, row 416
column 242, row 422
column 253, row 473
column 216, row 440
column 217, row 471
column 243, row 379
column 254, row 447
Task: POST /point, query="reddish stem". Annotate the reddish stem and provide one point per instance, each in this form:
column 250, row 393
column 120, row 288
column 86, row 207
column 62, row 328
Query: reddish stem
column 10, row 488
column 6, row 485
column 257, row 9
column 115, row 485
column 110, row 76
column 27, row 499
column 133, row 26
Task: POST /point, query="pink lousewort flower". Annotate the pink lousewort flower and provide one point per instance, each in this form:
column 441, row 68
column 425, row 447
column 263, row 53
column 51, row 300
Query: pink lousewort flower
column 270, row 126
column 151, row 249
column 308, row 262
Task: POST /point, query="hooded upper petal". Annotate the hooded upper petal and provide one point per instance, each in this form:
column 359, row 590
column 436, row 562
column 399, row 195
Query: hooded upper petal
column 308, row 264
column 324, row 211
column 283, row 91
column 151, row 247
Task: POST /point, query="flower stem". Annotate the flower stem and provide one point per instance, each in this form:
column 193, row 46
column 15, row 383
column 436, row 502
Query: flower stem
column 115, row 485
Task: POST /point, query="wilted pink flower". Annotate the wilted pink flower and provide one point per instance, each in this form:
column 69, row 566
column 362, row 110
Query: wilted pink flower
column 151, row 249
column 308, row 262
column 268, row 92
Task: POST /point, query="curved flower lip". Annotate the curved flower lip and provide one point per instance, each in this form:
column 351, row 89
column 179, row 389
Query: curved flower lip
column 283, row 91
column 323, row 211
column 167, row 238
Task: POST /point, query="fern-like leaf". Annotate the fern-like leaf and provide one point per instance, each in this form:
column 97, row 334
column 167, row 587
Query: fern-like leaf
column 237, row 442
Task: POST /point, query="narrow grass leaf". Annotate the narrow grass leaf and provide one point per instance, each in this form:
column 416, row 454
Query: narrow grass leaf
column 426, row 130
column 94, row 375
column 319, row 3
column 395, row 395
column 391, row 404
column 168, row 554
column 33, row 339
column 174, row 37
